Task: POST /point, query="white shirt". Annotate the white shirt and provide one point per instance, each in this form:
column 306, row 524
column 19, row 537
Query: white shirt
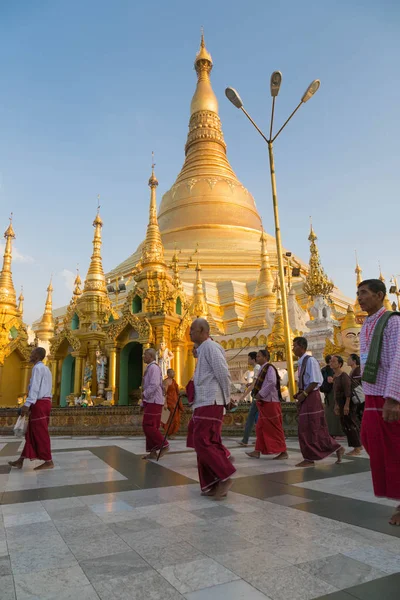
column 40, row 385
column 212, row 382
column 312, row 373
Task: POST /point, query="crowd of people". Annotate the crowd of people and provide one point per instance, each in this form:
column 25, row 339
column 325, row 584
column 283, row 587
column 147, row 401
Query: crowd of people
column 367, row 400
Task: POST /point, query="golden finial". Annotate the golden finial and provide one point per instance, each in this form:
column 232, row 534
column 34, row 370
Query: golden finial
column 381, row 277
column 153, row 179
column 21, row 301
column 45, row 329
column 77, row 284
column 203, row 56
column 8, row 297
column 199, row 306
column 317, row 282
column 358, row 270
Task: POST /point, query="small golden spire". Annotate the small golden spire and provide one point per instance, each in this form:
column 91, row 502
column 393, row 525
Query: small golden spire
column 8, row 297
column 45, row 329
column 21, row 302
column 95, row 280
column 77, row 285
column 264, row 296
column 358, row 271
column 381, row 277
column 199, row 306
column 317, row 282
column 153, row 249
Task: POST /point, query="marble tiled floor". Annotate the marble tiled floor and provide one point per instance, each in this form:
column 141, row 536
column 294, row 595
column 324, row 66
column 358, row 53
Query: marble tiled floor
column 106, row 525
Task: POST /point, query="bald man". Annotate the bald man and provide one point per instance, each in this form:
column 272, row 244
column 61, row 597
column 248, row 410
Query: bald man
column 37, row 407
column 153, row 401
column 212, row 393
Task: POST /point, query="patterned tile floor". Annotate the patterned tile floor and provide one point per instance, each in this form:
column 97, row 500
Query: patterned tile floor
column 106, row 525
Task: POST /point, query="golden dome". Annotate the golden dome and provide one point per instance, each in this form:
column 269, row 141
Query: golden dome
column 207, row 203
column 349, row 322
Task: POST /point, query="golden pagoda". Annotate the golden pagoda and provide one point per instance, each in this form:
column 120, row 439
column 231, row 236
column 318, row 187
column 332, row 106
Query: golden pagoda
column 207, row 207
column 14, row 348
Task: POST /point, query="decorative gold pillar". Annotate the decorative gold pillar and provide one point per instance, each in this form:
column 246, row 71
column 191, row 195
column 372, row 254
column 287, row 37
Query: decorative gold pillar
column 53, row 368
column 78, row 375
column 178, row 350
column 112, row 374
column 1, row 388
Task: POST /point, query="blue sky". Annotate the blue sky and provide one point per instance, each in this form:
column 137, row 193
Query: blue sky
column 90, row 88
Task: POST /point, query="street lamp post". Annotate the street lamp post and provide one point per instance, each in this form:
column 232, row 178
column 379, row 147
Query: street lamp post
column 233, row 96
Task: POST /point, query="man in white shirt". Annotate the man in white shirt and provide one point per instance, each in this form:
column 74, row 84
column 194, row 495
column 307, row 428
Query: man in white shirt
column 315, row 441
column 212, row 392
column 37, row 407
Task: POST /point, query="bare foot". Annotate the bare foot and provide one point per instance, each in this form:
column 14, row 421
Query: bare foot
column 231, row 458
column 16, row 464
column 395, row 520
column 151, row 456
column 46, row 465
column 164, row 451
column 354, row 452
column 243, row 444
column 253, row 454
column 306, row 463
column 340, row 453
column 281, row 456
column 223, row 488
column 211, row 492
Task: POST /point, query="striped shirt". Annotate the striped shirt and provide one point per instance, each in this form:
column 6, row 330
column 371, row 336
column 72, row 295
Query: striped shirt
column 388, row 380
column 153, row 384
column 212, row 382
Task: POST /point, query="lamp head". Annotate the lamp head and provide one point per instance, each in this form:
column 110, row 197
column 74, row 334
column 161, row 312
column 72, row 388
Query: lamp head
column 275, row 84
column 233, row 97
column 310, row 91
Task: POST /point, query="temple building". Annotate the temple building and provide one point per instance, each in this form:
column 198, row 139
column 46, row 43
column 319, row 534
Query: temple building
column 205, row 253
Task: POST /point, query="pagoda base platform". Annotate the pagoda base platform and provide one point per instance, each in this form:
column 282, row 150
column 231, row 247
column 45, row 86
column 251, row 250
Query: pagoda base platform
column 127, row 421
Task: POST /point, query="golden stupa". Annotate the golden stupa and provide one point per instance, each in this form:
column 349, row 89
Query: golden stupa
column 208, row 205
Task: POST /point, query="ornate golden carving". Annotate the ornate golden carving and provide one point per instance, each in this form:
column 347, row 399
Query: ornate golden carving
column 317, row 282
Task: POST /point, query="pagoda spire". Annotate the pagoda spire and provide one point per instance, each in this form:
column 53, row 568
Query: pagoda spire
column 386, row 302
column 8, row 297
column 21, row 302
column 77, row 286
column 264, row 298
column 45, row 330
column 95, row 281
column 317, row 282
column 360, row 314
column 153, row 249
column 199, row 305
column 174, row 266
column 358, row 271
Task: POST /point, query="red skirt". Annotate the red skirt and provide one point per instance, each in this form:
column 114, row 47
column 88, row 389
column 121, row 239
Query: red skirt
column 314, row 438
column 269, row 428
column 382, row 442
column 189, row 439
column 37, row 439
column 151, row 426
column 212, row 456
